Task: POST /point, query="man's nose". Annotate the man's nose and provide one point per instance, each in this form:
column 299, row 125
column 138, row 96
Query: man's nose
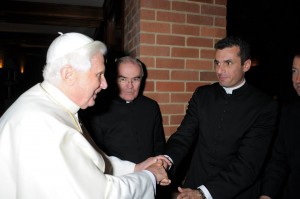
column 103, row 83
column 129, row 83
column 219, row 68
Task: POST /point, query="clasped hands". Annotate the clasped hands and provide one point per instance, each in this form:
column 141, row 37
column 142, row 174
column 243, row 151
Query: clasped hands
column 156, row 165
column 188, row 193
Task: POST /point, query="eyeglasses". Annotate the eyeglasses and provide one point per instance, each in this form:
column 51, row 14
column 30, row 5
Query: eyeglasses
column 126, row 80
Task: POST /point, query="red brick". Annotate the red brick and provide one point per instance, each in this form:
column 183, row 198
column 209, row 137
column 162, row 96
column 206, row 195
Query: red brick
column 147, row 14
column 208, row 54
column 149, row 87
column 155, row 50
column 191, row 86
column 186, row 7
column 185, row 29
column 165, row 120
column 159, row 97
column 147, row 38
column 169, row 130
column 185, row 52
column 208, row 76
column 172, row 108
column 181, row 97
column 203, row 1
column 169, row 63
column 213, row 32
column 220, row 21
column 170, row 40
column 199, row 64
column 184, row 75
column 176, row 119
column 170, row 86
column 200, row 20
column 199, row 42
column 170, row 17
column 148, row 61
column 156, row 4
column 158, row 74
column 221, row 2
column 155, row 27
column 213, row 10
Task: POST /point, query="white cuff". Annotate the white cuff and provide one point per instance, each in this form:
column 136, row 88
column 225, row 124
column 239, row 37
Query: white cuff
column 152, row 178
column 169, row 158
column 206, row 192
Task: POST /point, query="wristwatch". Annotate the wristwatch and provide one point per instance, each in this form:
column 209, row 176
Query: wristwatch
column 201, row 193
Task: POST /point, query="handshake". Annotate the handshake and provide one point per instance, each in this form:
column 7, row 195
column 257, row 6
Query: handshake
column 157, row 166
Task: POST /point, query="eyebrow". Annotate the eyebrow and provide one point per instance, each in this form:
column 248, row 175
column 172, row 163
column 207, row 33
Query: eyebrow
column 215, row 60
column 128, row 77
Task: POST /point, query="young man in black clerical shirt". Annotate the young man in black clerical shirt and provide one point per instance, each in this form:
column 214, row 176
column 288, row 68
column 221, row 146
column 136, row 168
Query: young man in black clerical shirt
column 230, row 124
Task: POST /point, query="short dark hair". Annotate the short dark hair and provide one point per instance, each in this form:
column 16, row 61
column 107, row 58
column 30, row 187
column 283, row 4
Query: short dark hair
column 297, row 52
column 235, row 41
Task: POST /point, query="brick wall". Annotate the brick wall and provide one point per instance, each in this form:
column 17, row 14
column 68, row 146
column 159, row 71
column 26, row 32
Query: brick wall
column 175, row 39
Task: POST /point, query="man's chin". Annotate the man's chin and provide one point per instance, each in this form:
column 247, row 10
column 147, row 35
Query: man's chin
column 127, row 97
column 91, row 103
column 223, row 84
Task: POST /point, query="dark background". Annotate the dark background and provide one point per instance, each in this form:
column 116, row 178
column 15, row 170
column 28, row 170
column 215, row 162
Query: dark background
column 272, row 28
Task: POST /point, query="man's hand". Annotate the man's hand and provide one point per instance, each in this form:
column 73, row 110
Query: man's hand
column 159, row 172
column 264, row 197
column 188, row 193
column 143, row 165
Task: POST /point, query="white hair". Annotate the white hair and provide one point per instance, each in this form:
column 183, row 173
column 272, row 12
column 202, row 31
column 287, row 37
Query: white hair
column 79, row 59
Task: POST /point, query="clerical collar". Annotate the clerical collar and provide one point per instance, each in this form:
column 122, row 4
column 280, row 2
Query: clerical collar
column 126, row 101
column 59, row 97
column 230, row 90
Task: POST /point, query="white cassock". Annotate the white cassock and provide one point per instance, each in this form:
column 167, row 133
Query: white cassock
column 43, row 155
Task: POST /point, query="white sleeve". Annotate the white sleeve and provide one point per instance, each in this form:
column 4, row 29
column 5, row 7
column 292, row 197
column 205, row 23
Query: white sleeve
column 121, row 167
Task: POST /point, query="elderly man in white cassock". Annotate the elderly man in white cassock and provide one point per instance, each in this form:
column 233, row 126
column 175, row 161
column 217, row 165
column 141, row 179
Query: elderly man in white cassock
column 44, row 150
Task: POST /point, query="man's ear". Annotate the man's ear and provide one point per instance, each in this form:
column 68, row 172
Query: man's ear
column 247, row 65
column 68, row 74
